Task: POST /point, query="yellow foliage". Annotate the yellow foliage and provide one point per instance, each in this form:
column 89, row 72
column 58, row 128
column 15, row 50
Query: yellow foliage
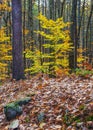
column 80, row 57
column 61, row 72
column 57, row 42
column 5, row 48
column 4, row 6
column 3, row 36
column 25, row 31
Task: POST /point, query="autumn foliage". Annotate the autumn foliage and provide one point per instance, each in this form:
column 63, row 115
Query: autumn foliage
column 5, row 46
column 57, row 46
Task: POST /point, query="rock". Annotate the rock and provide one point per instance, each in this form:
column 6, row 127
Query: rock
column 23, row 101
column 41, row 117
column 12, row 110
column 10, row 114
column 14, row 125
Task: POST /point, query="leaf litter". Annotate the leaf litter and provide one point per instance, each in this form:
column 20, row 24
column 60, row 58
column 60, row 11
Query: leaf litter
column 57, row 103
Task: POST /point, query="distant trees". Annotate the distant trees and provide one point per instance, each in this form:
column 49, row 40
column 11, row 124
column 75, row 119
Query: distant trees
column 78, row 12
column 5, row 44
column 18, row 67
column 89, row 22
column 24, row 24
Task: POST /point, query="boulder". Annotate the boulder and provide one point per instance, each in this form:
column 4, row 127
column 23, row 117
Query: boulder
column 14, row 109
column 41, row 117
column 23, row 101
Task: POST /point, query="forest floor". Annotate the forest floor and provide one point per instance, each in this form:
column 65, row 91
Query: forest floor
column 62, row 103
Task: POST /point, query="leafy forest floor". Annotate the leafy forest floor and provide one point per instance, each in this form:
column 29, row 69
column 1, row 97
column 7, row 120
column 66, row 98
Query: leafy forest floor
column 62, row 103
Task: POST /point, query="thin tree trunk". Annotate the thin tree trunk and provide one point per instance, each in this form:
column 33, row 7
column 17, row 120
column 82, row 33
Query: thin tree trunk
column 62, row 8
column 90, row 16
column 73, row 55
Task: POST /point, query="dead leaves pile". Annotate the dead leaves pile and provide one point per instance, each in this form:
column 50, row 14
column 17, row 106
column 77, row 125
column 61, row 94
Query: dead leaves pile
column 64, row 103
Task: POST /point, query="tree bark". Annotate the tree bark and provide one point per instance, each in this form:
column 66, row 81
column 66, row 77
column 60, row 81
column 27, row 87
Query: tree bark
column 73, row 55
column 89, row 20
column 18, row 67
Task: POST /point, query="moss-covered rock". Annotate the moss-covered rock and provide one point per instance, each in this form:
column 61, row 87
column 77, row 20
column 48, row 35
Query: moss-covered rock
column 23, row 101
column 14, row 109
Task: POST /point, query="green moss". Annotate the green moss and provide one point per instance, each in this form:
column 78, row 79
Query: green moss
column 83, row 72
column 67, row 119
column 11, row 105
column 23, row 101
column 76, row 119
column 27, row 119
column 13, row 109
column 89, row 118
column 82, row 107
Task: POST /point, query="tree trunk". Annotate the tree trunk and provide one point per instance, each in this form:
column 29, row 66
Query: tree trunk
column 89, row 20
column 18, row 67
column 73, row 55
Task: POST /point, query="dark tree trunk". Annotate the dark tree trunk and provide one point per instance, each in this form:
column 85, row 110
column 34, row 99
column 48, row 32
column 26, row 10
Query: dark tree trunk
column 73, row 55
column 89, row 20
column 24, row 27
column 81, row 18
column 51, row 8
column 62, row 8
column 18, row 67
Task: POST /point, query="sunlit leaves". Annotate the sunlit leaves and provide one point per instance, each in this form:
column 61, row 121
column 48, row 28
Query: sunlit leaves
column 80, row 57
column 5, row 53
column 4, row 6
column 5, row 47
column 3, row 36
column 57, row 45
